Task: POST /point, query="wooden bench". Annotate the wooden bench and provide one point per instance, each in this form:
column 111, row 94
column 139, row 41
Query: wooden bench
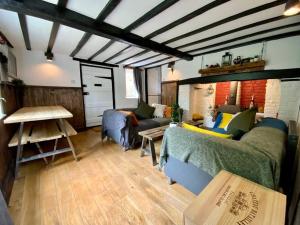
column 151, row 135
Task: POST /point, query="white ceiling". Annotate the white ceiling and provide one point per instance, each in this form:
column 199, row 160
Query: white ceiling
column 129, row 11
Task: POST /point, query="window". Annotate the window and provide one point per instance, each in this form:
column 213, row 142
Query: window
column 131, row 91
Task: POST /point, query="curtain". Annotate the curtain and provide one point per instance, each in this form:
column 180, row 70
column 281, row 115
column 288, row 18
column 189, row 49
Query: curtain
column 138, row 82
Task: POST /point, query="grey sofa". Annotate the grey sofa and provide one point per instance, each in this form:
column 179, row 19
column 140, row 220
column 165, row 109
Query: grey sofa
column 118, row 126
column 193, row 159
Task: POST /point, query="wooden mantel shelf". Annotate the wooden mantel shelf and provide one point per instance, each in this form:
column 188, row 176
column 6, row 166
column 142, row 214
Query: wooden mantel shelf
column 246, row 67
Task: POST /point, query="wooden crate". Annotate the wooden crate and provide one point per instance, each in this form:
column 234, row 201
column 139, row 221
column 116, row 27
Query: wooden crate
column 230, row 199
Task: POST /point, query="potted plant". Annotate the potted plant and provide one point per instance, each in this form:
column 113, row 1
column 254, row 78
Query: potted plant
column 175, row 116
column 19, row 90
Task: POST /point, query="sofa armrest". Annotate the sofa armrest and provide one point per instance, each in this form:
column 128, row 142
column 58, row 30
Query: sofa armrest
column 115, row 120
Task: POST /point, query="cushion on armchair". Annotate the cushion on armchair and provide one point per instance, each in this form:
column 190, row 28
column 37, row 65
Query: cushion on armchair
column 204, row 131
column 144, row 111
column 242, row 122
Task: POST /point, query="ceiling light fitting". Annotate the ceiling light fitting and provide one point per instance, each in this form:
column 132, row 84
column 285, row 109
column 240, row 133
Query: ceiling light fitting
column 292, row 7
column 49, row 56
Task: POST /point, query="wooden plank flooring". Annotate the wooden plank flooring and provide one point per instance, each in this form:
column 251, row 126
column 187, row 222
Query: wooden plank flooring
column 107, row 186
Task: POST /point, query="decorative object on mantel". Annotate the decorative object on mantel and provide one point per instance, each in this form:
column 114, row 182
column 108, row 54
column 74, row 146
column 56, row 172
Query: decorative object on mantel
column 227, row 59
column 217, row 65
column 237, row 60
column 245, row 67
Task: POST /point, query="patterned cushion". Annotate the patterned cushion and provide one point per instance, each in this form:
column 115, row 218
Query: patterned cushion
column 159, row 110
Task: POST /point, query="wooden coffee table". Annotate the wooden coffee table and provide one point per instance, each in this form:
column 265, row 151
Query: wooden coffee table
column 150, row 136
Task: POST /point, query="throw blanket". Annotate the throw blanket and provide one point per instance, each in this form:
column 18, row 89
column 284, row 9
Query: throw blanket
column 257, row 156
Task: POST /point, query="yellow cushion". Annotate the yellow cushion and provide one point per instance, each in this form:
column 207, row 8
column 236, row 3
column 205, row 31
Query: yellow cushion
column 226, row 118
column 204, row 131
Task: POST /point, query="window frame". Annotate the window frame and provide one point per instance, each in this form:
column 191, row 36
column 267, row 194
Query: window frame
column 132, row 95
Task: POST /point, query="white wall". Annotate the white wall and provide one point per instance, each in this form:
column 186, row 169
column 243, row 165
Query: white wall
column 63, row 71
column 34, row 69
column 279, row 54
column 290, row 100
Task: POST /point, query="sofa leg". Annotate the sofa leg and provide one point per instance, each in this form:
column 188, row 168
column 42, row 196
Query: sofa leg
column 170, row 181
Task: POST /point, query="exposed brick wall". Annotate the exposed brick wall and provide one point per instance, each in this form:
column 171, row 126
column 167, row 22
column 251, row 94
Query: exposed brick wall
column 272, row 101
column 290, row 100
column 222, row 90
column 257, row 88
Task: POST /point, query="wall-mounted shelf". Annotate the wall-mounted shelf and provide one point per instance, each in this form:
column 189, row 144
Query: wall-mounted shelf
column 245, row 67
column 253, row 75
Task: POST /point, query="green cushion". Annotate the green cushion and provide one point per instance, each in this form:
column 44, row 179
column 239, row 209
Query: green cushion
column 242, row 122
column 144, row 111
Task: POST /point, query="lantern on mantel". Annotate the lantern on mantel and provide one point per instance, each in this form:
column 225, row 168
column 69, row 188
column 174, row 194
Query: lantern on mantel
column 226, row 59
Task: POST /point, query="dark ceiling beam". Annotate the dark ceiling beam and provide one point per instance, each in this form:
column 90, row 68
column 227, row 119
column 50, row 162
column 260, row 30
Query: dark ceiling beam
column 24, row 28
column 81, row 43
column 95, row 62
column 147, row 16
column 187, row 17
column 256, row 24
column 135, row 55
column 157, row 61
column 53, row 35
column 117, row 54
column 184, row 19
column 61, row 6
column 141, row 60
column 245, row 36
column 106, row 46
column 48, row 11
column 271, row 38
column 109, row 7
column 150, row 14
column 165, row 63
column 254, row 75
column 228, row 19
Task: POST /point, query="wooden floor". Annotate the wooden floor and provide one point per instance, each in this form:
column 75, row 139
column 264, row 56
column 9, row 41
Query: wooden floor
column 107, row 186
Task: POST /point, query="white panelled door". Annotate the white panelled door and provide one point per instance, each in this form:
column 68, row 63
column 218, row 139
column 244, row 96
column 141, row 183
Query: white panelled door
column 97, row 83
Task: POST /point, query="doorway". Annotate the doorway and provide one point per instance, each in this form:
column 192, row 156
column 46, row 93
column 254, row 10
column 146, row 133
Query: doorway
column 98, row 92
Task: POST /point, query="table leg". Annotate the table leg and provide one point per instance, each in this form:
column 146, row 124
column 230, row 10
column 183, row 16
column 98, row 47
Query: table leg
column 19, row 149
column 63, row 127
column 54, row 149
column 144, row 143
column 152, row 149
column 41, row 151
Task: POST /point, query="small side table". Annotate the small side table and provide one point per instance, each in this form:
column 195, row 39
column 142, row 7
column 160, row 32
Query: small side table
column 232, row 200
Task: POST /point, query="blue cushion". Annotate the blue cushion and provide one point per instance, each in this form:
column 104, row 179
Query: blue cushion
column 273, row 122
column 218, row 120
